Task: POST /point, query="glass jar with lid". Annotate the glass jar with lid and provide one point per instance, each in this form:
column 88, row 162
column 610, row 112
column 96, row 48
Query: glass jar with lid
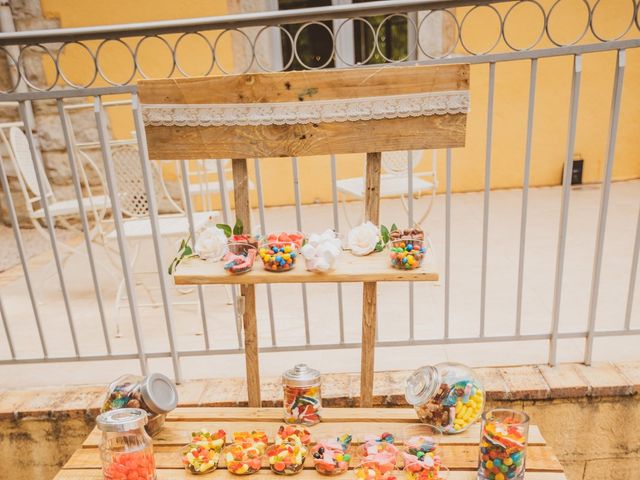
column 156, row 394
column 302, row 399
column 447, row 395
column 126, row 450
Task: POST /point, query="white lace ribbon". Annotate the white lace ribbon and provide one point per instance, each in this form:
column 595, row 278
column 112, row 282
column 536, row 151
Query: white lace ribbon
column 291, row 113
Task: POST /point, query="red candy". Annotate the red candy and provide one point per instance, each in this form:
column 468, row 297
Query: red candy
column 131, row 466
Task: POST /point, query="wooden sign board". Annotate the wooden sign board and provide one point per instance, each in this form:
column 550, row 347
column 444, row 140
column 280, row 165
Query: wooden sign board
column 198, row 140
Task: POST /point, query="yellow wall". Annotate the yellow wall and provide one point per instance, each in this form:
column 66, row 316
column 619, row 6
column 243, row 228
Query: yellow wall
column 511, row 95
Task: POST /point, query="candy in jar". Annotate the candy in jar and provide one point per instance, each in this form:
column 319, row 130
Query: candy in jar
column 242, row 459
column 503, row 445
column 330, row 457
column 202, row 454
column 293, row 434
column 286, row 458
column 379, row 451
column 302, row 400
column 447, row 395
column 375, row 470
column 255, row 438
column 156, row 394
column 126, row 450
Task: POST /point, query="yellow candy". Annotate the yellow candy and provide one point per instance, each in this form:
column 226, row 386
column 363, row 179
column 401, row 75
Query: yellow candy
column 287, row 249
column 507, row 461
column 489, row 464
column 499, row 476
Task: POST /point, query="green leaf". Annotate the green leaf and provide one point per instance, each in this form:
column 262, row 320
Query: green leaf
column 384, row 231
column 379, row 247
column 238, row 227
column 225, row 228
column 394, row 227
column 187, row 251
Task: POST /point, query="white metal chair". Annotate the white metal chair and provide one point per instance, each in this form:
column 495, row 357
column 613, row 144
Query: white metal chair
column 394, row 181
column 24, row 165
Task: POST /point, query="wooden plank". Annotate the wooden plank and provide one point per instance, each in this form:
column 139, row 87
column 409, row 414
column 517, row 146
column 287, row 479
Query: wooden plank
column 372, row 187
column 455, row 457
column 369, row 321
column 349, row 268
column 182, row 474
column 178, row 433
column 266, row 141
column 305, row 85
column 247, row 292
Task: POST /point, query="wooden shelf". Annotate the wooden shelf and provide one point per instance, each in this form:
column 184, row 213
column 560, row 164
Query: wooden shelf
column 372, row 268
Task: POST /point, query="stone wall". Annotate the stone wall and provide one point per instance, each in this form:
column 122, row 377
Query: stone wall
column 588, row 415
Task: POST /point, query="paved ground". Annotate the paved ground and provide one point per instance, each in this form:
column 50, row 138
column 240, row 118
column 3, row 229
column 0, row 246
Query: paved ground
column 393, row 306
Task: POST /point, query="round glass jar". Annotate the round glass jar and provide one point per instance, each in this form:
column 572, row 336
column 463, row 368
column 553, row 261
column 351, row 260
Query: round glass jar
column 447, row 395
column 302, row 400
column 126, row 450
column 156, row 394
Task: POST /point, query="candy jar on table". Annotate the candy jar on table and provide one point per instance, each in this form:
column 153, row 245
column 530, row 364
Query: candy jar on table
column 302, row 399
column 202, row 454
column 126, row 450
column 330, row 457
column 503, row 445
column 156, row 394
column 447, row 395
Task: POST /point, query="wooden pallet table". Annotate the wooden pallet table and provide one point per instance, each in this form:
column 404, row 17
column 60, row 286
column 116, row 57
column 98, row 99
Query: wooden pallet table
column 305, row 113
column 459, row 451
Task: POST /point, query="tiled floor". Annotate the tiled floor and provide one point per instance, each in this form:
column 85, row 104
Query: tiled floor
column 323, row 318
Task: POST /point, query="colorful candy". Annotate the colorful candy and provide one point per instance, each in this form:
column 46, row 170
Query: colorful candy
column 502, row 450
column 243, row 458
column 379, row 451
column 302, row 404
column 287, row 458
column 201, row 455
column 140, row 465
column 375, row 470
column 330, row 457
column 239, row 258
column 255, row 438
column 406, row 254
column 278, row 256
column 293, row 434
column 424, row 470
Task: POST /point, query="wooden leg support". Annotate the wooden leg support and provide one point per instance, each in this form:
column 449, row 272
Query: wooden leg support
column 249, row 323
column 369, row 321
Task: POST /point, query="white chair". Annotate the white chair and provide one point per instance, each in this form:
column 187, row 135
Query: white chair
column 394, row 182
column 24, row 165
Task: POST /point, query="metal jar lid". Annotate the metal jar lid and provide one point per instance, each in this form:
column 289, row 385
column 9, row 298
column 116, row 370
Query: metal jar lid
column 122, row 420
column 301, row 375
column 159, row 393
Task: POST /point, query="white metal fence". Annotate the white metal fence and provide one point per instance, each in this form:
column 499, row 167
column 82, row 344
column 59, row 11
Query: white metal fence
column 272, row 28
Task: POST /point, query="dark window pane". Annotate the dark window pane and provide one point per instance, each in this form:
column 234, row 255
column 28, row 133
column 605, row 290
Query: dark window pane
column 392, row 38
column 314, row 45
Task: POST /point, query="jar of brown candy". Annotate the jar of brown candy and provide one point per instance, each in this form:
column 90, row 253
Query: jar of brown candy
column 447, row 395
column 156, row 394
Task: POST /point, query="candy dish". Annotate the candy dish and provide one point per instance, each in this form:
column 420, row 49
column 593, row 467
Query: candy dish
column 293, row 434
column 242, row 459
column 286, row 458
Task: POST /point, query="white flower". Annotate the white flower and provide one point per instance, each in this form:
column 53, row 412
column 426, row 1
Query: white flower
column 211, row 243
column 321, row 251
column 362, row 239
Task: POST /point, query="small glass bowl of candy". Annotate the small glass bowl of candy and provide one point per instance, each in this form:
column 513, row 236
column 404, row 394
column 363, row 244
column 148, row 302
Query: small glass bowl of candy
column 241, row 459
column 278, row 256
column 240, row 258
column 383, row 451
column 286, row 458
column 199, row 460
column 293, row 434
column 206, row 439
column 255, row 438
column 407, row 254
column 296, row 238
column 329, row 460
column 375, row 470
column 421, row 471
column 422, row 439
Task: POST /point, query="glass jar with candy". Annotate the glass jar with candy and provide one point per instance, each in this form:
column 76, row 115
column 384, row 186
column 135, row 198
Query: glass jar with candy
column 447, row 395
column 503, row 445
column 126, row 450
column 302, row 399
column 156, row 394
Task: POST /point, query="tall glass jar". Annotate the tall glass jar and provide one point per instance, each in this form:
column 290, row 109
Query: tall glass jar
column 503, row 445
column 156, row 394
column 447, row 395
column 126, row 449
column 302, row 400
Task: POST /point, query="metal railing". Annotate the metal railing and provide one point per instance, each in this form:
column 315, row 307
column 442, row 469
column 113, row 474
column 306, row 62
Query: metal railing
column 550, row 40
